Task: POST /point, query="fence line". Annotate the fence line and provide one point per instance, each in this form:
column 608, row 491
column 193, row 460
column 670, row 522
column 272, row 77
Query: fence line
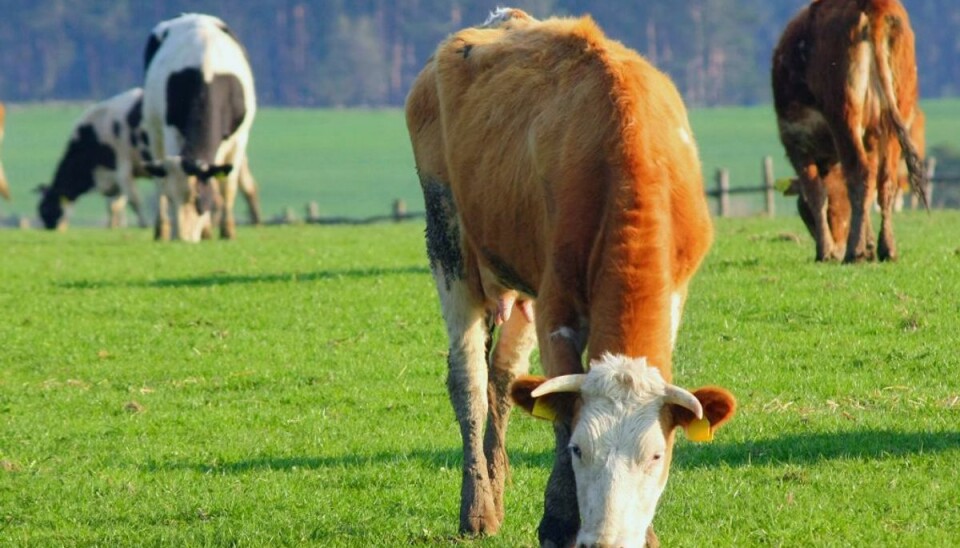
column 722, row 191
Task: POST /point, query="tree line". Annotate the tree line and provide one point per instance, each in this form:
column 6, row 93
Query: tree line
column 342, row 53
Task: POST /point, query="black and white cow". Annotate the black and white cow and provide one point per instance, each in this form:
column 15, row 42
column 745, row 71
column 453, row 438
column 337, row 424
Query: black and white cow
column 199, row 105
column 4, row 187
column 102, row 154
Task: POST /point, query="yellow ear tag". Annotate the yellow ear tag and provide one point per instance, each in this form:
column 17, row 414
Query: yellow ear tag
column 781, row 185
column 543, row 411
column 699, row 430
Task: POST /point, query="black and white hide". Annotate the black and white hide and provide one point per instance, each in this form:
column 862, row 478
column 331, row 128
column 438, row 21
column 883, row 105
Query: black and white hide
column 199, row 105
column 103, row 155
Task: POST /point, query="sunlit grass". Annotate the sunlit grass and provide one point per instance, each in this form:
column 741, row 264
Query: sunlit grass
column 288, row 388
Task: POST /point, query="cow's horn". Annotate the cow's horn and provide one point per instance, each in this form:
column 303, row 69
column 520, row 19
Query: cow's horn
column 563, row 383
column 683, row 398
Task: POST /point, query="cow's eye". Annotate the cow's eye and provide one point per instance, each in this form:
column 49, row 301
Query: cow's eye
column 575, row 450
column 656, row 457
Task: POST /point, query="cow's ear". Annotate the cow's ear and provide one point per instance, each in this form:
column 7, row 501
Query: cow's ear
column 553, row 406
column 156, row 169
column 719, row 406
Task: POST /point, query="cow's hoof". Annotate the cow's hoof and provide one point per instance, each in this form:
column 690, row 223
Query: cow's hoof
column 479, row 525
column 162, row 233
column 652, row 540
column 557, row 533
column 478, row 514
column 887, row 252
column 228, row 231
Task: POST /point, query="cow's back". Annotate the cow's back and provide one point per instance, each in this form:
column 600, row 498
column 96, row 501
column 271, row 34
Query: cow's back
column 842, row 39
column 568, row 154
column 190, row 58
column 552, row 147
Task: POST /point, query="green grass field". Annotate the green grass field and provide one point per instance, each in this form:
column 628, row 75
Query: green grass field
column 288, row 388
column 356, row 162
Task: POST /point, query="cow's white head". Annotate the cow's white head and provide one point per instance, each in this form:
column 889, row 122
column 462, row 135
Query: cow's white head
column 194, row 187
column 621, row 443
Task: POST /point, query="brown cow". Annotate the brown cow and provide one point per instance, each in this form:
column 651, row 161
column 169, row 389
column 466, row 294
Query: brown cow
column 838, row 204
column 559, row 165
column 4, row 187
column 845, row 91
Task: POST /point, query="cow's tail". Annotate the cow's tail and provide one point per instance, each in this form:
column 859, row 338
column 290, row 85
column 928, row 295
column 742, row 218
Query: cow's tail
column 881, row 40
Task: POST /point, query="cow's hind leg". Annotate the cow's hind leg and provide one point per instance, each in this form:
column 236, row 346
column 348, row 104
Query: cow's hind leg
column 859, row 159
column 465, row 317
column 887, row 184
column 510, row 357
column 467, row 386
column 248, row 187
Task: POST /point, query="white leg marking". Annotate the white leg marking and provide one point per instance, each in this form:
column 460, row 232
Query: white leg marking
column 676, row 309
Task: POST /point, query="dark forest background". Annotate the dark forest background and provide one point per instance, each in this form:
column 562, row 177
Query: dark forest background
column 339, row 53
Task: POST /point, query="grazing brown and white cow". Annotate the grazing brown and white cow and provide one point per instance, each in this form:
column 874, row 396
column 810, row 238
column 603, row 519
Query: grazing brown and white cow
column 199, row 104
column 4, row 186
column 845, row 91
column 559, row 165
column 102, row 155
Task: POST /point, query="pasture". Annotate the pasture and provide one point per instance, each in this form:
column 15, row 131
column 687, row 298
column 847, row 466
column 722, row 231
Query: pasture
column 288, row 388
column 356, row 162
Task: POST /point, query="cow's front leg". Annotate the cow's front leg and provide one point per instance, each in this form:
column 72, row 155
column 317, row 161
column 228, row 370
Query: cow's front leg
column 228, row 225
column 511, row 357
column 562, row 341
column 561, row 513
column 814, row 192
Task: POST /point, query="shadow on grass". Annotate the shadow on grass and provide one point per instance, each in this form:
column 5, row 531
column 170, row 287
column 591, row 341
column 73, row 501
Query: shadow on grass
column 224, row 278
column 816, row 447
column 793, row 449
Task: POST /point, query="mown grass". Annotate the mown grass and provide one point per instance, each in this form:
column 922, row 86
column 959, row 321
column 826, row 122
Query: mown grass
column 288, row 388
column 356, row 162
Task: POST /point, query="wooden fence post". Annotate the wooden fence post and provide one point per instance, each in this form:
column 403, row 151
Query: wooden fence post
column 313, row 211
column 399, row 209
column 929, row 172
column 723, row 192
column 768, row 190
